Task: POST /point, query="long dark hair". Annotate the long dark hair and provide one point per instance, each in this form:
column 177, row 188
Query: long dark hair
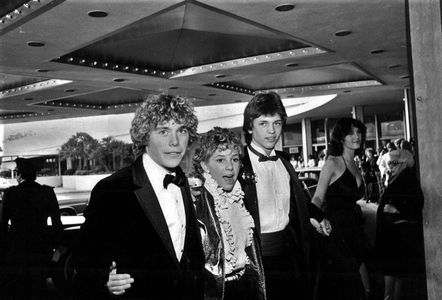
column 342, row 128
column 262, row 104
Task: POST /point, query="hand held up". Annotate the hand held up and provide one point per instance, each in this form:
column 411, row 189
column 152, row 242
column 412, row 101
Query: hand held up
column 117, row 284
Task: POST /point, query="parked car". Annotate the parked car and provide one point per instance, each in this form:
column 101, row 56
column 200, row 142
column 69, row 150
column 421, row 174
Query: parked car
column 72, row 204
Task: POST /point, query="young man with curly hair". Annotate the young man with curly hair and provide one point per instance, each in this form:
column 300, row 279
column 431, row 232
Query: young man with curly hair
column 141, row 219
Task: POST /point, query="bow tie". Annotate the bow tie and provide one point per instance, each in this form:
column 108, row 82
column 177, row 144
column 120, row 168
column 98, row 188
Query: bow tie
column 262, row 157
column 179, row 179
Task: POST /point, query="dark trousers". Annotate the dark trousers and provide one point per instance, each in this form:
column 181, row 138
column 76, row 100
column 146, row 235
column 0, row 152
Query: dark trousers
column 282, row 280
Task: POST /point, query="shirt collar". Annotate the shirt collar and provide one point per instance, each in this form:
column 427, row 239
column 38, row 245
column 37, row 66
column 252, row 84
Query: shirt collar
column 260, row 150
column 154, row 171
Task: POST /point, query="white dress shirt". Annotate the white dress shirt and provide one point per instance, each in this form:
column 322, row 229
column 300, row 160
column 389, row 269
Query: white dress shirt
column 273, row 191
column 171, row 202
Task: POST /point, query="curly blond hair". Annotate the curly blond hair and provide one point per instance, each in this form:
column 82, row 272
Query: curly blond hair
column 157, row 109
column 216, row 139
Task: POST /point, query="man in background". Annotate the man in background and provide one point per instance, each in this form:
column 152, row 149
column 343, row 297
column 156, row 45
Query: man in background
column 29, row 241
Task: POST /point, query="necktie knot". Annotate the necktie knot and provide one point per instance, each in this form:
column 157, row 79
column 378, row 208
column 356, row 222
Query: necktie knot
column 179, row 179
column 262, row 157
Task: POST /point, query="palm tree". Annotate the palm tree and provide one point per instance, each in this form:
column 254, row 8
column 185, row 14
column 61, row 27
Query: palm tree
column 81, row 147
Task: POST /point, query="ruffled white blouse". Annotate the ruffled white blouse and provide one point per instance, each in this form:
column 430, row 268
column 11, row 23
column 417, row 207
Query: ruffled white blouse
column 236, row 223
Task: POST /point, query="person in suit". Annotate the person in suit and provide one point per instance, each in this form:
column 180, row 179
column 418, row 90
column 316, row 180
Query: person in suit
column 141, row 219
column 274, row 197
column 29, row 241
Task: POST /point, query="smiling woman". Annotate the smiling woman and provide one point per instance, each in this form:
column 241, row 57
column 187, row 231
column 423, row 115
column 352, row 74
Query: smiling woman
column 233, row 263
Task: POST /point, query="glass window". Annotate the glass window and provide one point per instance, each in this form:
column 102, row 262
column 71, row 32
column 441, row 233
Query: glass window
column 318, row 132
column 292, row 135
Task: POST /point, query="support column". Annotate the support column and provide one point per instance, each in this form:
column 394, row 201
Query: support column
column 306, row 139
column 377, row 130
column 357, row 112
column 424, row 20
column 326, row 134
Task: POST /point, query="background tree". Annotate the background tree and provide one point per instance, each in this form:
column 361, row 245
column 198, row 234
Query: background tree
column 80, row 147
column 109, row 154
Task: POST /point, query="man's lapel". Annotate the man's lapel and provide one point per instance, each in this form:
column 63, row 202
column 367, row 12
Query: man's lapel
column 149, row 202
column 298, row 203
column 247, row 180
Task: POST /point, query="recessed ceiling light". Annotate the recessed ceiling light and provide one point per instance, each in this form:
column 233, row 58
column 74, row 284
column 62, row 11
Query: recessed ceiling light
column 290, row 96
column 284, row 7
column 220, row 76
column 393, row 66
column 347, row 91
column 42, row 70
column 238, row 101
column 97, row 14
column 29, row 98
column 119, row 79
column 35, row 44
column 173, row 88
column 50, row 110
column 290, row 65
column 69, row 90
column 343, row 32
column 211, row 95
column 377, row 51
column 404, row 76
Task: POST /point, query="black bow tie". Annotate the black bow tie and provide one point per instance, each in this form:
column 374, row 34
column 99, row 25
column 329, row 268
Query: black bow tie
column 262, row 157
column 179, row 179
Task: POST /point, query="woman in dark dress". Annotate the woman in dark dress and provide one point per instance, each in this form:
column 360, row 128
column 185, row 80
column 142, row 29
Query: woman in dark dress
column 399, row 237
column 340, row 186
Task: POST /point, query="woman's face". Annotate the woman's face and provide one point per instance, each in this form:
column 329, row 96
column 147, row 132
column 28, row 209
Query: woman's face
column 353, row 139
column 223, row 165
column 395, row 167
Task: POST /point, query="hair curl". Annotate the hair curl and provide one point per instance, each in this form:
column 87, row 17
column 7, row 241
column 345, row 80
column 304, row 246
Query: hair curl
column 342, row 128
column 157, row 109
column 216, row 139
column 262, row 104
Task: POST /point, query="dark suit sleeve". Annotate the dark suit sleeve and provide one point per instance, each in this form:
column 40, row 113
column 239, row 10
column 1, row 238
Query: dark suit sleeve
column 91, row 254
column 6, row 215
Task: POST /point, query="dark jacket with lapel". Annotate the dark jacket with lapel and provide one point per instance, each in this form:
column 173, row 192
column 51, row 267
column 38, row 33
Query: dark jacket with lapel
column 298, row 230
column 124, row 223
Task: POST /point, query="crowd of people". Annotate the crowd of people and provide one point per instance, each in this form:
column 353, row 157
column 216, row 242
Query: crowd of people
column 246, row 229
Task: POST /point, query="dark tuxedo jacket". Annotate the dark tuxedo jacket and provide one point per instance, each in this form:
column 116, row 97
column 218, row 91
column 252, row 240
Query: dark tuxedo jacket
column 124, row 223
column 297, row 233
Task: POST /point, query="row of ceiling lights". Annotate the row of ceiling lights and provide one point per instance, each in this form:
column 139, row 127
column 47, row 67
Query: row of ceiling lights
column 100, row 14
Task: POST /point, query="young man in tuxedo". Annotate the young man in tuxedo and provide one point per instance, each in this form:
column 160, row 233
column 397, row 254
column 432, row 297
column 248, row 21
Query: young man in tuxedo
column 275, row 198
column 140, row 220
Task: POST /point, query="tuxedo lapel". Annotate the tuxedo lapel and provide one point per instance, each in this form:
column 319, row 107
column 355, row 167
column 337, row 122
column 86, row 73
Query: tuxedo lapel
column 246, row 179
column 149, row 202
column 298, row 204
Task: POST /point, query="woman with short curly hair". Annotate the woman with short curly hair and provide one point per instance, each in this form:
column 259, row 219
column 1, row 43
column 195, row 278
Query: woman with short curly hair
column 233, row 262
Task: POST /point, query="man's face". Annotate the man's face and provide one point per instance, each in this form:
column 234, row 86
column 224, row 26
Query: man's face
column 168, row 143
column 266, row 131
